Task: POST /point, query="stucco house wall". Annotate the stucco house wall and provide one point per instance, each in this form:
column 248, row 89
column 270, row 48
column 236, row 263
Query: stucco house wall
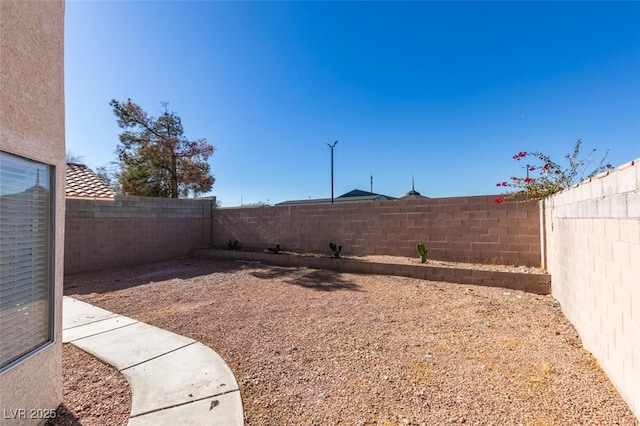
column 32, row 126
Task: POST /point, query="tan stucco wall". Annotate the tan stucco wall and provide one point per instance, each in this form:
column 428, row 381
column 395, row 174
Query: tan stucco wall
column 32, row 126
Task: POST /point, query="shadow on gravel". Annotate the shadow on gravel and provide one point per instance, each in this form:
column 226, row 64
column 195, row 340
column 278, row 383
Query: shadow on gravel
column 108, row 280
column 315, row 279
column 63, row 417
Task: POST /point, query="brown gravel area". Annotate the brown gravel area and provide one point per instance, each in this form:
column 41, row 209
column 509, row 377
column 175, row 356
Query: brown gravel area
column 94, row 393
column 318, row 347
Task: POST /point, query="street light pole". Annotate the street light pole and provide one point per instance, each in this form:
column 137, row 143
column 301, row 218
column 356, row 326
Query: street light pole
column 332, row 146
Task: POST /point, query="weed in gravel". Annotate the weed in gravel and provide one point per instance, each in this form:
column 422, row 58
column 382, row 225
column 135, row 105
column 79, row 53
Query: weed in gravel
column 336, row 249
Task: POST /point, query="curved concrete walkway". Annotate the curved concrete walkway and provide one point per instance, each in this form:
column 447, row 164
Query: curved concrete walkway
column 173, row 379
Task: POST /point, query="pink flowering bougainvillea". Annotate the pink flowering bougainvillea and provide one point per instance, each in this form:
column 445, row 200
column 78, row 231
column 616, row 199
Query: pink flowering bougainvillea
column 550, row 177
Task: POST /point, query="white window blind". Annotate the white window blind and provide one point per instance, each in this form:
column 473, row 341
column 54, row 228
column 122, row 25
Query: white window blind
column 26, row 257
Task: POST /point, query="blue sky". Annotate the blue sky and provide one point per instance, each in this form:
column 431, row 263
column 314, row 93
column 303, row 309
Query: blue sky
column 445, row 92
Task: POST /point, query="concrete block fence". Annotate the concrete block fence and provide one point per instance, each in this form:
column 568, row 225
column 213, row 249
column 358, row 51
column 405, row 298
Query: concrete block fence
column 592, row 234
column 128, row 230
column 106, row 233
column 456, row 229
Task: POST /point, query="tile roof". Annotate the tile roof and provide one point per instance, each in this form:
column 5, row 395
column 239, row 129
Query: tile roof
column 83, row 182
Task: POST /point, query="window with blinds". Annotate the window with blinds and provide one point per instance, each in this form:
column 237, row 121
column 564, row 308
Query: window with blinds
column 26, row 257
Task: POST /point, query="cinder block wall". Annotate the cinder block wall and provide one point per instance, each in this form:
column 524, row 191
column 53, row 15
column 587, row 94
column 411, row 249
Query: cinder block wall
column 592, row 236
column 128, row 230
column 457, row 229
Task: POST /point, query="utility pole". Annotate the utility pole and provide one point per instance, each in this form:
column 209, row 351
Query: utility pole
column 371, row 182
column 332, row 146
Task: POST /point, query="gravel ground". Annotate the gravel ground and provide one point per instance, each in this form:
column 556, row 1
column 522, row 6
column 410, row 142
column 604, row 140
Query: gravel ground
column 94, row 393
column 324, row 348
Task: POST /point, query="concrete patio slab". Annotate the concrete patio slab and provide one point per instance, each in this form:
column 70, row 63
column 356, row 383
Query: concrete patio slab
column 86, row 330
column 222, row 410
column 75, row 313
column 192, row 373
column 128, row 346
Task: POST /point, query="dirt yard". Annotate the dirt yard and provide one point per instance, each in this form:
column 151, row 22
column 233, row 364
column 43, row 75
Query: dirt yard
column 95, row 394
column 322, row 348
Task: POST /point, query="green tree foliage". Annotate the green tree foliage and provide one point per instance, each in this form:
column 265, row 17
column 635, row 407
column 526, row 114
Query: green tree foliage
column 156, row 159
column 545, row 177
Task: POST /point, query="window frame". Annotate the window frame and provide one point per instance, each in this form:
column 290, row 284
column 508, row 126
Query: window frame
column 51, row 269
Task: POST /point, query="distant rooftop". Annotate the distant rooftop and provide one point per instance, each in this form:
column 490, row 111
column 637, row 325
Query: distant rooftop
column 356, row 195
column 361, row 193
column 413, row 193
column 82, row 182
